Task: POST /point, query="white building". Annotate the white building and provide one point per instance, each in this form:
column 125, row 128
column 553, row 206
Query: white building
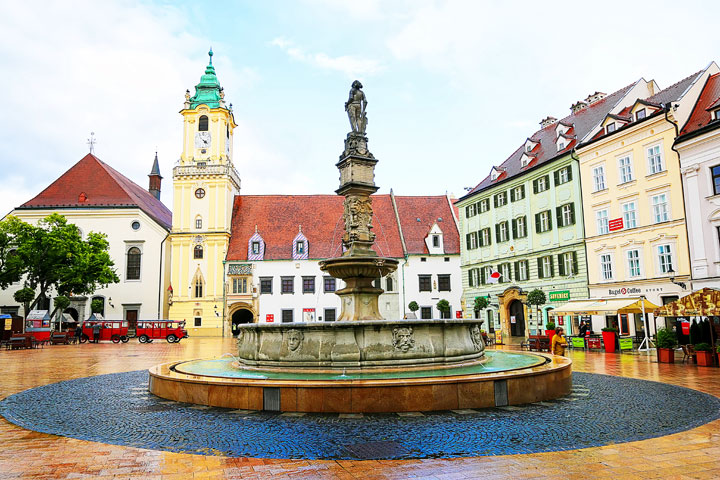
column 699, row 149
column 96, row 197
column 272, row 270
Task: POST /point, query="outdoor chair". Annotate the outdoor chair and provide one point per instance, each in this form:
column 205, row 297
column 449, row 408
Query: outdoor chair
column 688, row 352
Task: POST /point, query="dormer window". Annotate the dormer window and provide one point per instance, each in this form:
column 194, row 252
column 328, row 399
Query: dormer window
column 300, row 247
column 561, row 146
column 203, row 124
column 494, row 174
column 255, row 247
column 528, row 147
column 716, row 115
column 610, row 127
column 640, row 114
column 436, row 240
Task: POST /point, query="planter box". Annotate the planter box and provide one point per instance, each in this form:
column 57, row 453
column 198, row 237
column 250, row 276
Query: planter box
column 609, row 341
column 666, row 355
column 705, row 359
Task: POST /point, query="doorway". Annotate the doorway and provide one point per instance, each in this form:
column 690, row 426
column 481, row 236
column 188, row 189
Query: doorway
column 73, row 313
column 517, row 313
column 239, row 317
column 132, row 317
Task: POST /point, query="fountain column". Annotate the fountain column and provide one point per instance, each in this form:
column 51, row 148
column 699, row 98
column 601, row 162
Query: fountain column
column 359, row 264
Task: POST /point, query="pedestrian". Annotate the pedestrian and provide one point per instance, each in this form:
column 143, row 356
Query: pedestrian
column 78, row 332
column 583, row 329
column 559, row 342
column 96, row 332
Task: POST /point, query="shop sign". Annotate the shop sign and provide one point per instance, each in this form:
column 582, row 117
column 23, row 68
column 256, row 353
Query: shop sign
column 685, row 328
column 578, row 342
column 595, row 343
column 559, row 296
column 634, row 291
column 626, row 343
column 498, row 337
column 308, row 314
column 458, row 314
column 8, row 324
column 585, row 318
column 615, row 224
column 270, row 318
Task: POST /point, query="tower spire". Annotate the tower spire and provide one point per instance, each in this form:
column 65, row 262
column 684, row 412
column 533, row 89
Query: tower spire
column 155, row 178
column 208, row 91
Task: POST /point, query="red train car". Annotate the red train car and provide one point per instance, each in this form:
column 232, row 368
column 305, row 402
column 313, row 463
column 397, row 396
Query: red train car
column 149, row 330
column 115, row 331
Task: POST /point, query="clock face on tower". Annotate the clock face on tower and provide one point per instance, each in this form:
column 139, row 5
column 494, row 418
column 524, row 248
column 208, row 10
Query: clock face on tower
column 202, row 140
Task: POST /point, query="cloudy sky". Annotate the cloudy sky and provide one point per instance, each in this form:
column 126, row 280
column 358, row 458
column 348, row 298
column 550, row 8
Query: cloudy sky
column 453, row 87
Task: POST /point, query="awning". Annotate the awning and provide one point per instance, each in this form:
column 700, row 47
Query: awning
column 703, row 303
column 604, row 306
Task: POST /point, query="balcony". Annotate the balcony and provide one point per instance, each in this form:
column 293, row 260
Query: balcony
column 200, row 169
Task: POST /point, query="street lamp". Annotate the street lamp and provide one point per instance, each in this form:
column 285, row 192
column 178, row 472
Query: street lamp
column 672, row 278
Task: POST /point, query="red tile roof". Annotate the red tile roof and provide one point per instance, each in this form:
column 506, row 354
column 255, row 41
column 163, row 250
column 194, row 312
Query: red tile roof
column 708, row 99
column 91, row 183
column 278, row 218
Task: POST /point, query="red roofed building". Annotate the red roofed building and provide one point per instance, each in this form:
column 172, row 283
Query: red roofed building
column 277, row 241
column 96, row 197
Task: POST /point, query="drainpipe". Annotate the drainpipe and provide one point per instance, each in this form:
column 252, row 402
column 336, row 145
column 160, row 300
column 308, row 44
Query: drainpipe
column 160, row 277
column 666, row 109
column 584, row 232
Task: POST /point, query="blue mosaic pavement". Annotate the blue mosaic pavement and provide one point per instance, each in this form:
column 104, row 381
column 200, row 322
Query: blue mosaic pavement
column 117, row 409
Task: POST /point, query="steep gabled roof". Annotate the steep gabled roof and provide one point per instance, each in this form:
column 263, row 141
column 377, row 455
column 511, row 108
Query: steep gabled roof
column 582, row 121
column 91, row 183
column 429, row 211
column 708, row 100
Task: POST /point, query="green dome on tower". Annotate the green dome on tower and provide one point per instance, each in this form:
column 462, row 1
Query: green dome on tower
column 208, row 91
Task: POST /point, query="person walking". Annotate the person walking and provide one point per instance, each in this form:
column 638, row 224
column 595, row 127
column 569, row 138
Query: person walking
column 559, row 343
column 96, row 333
column 78, row 333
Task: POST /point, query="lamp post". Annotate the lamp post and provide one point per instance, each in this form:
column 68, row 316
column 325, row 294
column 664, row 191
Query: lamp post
column 672, row 278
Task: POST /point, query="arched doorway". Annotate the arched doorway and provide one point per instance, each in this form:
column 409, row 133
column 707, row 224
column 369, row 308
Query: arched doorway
column 239, row 317
column 517, row 312
column 73, row 313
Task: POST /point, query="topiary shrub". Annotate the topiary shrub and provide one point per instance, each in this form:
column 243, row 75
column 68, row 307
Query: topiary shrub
column 666, row 338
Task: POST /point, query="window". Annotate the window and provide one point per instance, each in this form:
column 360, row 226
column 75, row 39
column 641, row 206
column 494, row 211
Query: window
column 239, row 285
column 198, row 252
column 424, row 283
column 329, row 314
column 665, row 258
column 286, row 316
column 203, row 123
column 563, row 175
column 500, row 199
column 255, row 246
column 102, row 309
column 567, row 264
column 633, row 258
column 655, row 162
column 715, row 172
column 501, row 232
column 471, row 210
column 660, row 208
column 484, row 205
column 388, row 284
column 135, row 225
column 545, row 267
column 266, row 285
column 300, row 247
column 133, row 264
column 625, row 169
column 198, row 223
column 716, row 115
column 200, row 193
column 198, row 287
column 472, row 240
column 329, row 285
column 473, row 277
column 485, row 274
column 606, row 266
column 308, row 284
column 517, row 193
column 436, row 240
column 443, row 283
column 640, row 114
column 287, row 284
column 603, row 226
column 629, row 210
column 565, row 214
column 543, row 222
column 541, row 184
column 561, row 146
column 505, row 275
column 198, row 321
column 521, row 270
column 610, row 127
column 599, row 178
column 485, row 239
column 519, row 227
column 426, row 312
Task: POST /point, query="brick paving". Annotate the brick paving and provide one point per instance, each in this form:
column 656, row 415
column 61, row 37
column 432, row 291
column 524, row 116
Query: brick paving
column 24, row 454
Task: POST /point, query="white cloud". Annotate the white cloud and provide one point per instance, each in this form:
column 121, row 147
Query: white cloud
column 351, row 66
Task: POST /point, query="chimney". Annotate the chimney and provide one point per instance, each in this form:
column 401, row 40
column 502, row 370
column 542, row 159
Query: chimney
column 576, row 107
column 547, row 121
column 155, row 179
column 597, row 96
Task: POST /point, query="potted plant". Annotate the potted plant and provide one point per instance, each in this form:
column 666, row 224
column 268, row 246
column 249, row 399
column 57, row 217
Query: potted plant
column 481, row 303
column 608, row 334
column 537, row 298
column 413, row 307
column 666, row 343
column 443, row 307
column 704, row 354
column 550, row 330
column 718, row 354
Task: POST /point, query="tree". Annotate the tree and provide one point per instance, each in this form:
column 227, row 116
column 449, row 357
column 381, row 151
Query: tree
column 444, row 307
column 97, row 305
column 413, row 306
column 25, row 296
column 55, row 257
column 11, row 268
column 481, row 303
column 537, row 298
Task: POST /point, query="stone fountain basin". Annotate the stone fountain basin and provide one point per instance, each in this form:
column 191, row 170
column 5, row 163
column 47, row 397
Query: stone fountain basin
column 366, row 344
column 360, row 267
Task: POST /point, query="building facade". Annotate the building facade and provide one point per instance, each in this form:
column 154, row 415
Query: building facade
column 636, row 236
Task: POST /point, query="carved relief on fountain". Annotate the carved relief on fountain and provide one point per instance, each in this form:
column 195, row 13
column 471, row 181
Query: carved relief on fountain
column 357, row 217
column 402, row 338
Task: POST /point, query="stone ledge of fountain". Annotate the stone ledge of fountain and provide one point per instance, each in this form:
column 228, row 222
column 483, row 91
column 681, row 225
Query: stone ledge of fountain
column 360, row 344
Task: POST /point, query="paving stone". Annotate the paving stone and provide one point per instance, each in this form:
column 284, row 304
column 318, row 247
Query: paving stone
column 466, row 411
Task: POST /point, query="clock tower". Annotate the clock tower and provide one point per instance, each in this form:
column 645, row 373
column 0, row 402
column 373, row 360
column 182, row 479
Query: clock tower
column 205, row 183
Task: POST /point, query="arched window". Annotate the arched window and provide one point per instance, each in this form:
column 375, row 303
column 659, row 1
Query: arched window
column 203, row 124
column 102, row 299
column 198, row 287
column 133, row 264
column 198, row 252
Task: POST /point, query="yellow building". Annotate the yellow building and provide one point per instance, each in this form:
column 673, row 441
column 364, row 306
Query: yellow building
column 205, row 184
column 636, row 237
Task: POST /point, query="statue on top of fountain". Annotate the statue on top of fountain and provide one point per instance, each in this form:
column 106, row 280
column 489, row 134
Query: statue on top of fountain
column 355, row 108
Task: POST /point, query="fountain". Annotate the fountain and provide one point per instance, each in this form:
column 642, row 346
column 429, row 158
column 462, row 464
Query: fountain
column 362, row 362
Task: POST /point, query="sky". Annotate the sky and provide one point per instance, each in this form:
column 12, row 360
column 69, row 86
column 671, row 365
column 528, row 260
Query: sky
column 453, row 87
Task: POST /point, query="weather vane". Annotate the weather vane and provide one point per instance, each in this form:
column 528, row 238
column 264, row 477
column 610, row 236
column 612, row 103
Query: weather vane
column 91, row 142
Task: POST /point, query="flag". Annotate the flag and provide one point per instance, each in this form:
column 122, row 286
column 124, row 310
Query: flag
column 494, row 276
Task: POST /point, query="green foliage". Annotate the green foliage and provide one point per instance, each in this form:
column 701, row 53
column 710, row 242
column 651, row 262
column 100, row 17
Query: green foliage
column 413, row 306
column 536, row 297
column 12, row 230
column 97, row 306
column 610, row 329
column 443, row 305
column 481, row 303
column 666, row 338
column 703, row 347
column 24, row 295
column 550, row 326
column 55, row 257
